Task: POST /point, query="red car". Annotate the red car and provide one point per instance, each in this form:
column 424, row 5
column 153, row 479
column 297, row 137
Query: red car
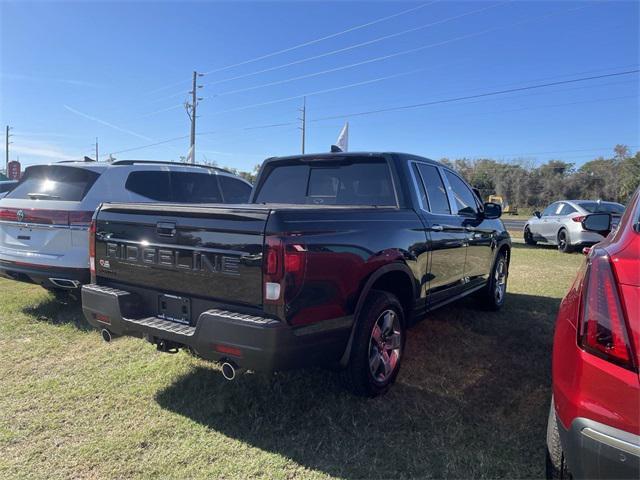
column 594, row 419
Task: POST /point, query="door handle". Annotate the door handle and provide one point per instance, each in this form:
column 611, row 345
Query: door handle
column 437, row 228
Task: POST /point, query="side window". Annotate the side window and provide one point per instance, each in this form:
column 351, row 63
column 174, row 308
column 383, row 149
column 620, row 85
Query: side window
column 234, row 190
column 567, row 209
column 550, row 210
column 192, row 187
column 154, row 185
column 464, row 196
column 559, row 209
column 436, row 193
column 422, row 193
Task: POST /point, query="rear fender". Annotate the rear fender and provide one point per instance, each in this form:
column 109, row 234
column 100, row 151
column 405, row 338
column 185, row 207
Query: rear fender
column 396, row 267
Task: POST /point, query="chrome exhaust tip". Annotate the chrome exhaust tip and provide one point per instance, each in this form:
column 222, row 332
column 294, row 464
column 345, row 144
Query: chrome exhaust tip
column 230, row 370
column 106, row 335
column 65, row 283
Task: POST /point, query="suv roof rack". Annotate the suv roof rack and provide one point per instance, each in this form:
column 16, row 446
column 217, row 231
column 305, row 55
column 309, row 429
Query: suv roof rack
column 165, row 162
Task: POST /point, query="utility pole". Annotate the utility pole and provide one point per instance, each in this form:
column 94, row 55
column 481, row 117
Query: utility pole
column 191, row 112
column 97, row 159
column 6, row 149
column 303, row 111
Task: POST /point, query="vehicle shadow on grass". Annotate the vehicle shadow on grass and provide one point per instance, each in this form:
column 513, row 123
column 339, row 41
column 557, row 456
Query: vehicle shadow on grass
column 58, row 311
column 471, row 400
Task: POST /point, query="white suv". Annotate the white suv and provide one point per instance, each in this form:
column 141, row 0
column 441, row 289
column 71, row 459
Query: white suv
column 44, row 220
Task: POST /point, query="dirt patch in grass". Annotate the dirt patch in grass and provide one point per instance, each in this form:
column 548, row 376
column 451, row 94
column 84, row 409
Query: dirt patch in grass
column 471, row 399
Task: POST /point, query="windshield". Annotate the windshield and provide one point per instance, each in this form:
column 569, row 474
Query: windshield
column 358, row 182
column 602, row 207
column 54, row 182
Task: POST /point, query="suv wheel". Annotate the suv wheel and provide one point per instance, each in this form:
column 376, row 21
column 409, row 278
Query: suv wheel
column 556, row 466
column 493, row 295
column 528, row 236
column 378, row 345
column 564, row 245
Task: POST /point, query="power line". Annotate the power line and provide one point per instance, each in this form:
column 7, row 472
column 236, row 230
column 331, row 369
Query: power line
column 289, row 124
column 404, row 52
column 468, row 97
column 319, row 92
column 350, row 47
column 310, row 42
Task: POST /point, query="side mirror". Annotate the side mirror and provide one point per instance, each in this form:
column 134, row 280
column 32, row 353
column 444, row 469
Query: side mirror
column 537, row 214
column 597, row 222
column 492, row 210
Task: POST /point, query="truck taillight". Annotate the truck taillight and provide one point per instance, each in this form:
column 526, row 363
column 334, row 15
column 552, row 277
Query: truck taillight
column 602, row 329
column 284, row 267
column 92, row 250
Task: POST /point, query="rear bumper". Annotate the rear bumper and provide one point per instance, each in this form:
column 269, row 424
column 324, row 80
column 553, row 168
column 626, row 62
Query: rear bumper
column 253, row 342
column 579, row 237
column 48, row 277
column 595, row 450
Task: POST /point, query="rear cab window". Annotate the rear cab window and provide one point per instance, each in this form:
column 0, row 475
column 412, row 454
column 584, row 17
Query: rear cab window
column 351, row 181
column 54, row 182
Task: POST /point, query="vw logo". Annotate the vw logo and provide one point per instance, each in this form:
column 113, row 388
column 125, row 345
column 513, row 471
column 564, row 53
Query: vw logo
column 20, row 215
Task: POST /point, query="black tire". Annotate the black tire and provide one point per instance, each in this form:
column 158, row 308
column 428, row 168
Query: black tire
column 564, row 244
column 490, row 298
column 359, row 374
column 555, row 464
column 528, row 237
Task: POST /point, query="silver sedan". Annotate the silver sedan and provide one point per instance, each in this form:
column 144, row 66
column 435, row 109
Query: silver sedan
column 561, row 223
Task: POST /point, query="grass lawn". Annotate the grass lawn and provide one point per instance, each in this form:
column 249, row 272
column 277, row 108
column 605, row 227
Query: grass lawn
column 471, row 400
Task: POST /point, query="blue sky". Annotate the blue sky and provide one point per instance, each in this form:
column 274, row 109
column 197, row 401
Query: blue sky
column 73, row 71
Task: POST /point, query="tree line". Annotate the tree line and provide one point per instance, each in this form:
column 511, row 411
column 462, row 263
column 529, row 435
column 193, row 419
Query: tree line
column 527, row 185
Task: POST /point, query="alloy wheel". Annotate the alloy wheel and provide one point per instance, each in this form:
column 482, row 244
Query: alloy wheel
column 500, row 280
column 385, row 346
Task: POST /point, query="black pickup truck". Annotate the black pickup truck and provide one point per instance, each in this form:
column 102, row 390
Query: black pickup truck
column 335, row 256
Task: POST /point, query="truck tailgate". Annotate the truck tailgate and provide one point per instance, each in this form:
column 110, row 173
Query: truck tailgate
column 194, row 251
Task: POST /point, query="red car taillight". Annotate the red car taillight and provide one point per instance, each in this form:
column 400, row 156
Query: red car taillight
column 284, row 267
column 46, row 217
column 579, row 218
column 80, row 219
column 603, row 330
column 92, row 250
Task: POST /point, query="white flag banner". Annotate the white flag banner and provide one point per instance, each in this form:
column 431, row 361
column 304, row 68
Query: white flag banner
column 342, row 144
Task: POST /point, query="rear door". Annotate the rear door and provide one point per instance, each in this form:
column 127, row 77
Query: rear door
column 41, row 215
column 446, row 232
